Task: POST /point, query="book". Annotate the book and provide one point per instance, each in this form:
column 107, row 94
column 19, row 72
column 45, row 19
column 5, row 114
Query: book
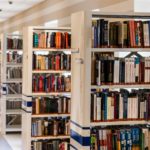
column 127, row 33
column 114, row 70
column 53, row 104
column 58, row 40
column 50, row 127
column 120, row 138
column 114, row 105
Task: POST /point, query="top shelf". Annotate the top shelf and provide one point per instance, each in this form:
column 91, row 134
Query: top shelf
column 137, row 16
column 51, row 28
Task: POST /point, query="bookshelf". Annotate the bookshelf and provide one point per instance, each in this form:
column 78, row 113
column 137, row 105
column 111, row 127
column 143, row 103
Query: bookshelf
column 11, row 83
column 84, row 130
column 46, row 61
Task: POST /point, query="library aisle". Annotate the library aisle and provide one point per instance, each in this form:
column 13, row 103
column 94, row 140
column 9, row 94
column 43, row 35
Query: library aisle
column 4, row 144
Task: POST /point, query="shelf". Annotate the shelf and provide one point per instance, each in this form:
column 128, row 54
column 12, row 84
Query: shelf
column 50, row 137
column 51, row 71
column 13, row 128
column 120, row 49
column 14, row 50
column 14, row 64
column 13, row 111
column 120, row 122
column 51, row 28
column 13, row 96
column 51, row 94
column 14, row 80
column 121, row 86
column 55, row 50
column 50, row 115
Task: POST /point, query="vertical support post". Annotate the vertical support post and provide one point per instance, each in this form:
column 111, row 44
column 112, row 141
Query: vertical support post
column 81, row 77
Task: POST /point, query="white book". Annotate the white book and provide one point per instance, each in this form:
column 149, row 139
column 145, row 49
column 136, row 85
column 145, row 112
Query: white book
column 142, row 109
column 129, row 108
column 98, row 110
column 95, row 108
column 126, row 70
column 116, row 71
column 99, row 72
column 121, row 108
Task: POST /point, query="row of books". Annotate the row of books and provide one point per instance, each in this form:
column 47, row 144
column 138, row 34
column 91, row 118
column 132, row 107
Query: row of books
column 53, row 61
column 14, row 57
column 52, row 40
column 13, row 88
column 50, row 126
column 113, row 70
column 46, row 105
column 134, row 138
column 123, row 105
column 14, row 43
column 51, row 83
column 50, row 145
column 131, row 33
column 14, row 73
column 14, row 104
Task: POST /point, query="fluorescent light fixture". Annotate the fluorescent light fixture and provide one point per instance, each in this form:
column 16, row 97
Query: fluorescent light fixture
column 95, row 10
column 53, row 23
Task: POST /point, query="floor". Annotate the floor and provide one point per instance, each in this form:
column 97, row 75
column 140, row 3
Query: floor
column 10, row 142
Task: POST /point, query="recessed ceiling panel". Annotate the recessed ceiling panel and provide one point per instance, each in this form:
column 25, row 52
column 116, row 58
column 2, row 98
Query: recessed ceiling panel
column 8, row 10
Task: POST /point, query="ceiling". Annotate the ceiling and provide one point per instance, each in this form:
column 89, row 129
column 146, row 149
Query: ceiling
column 17, row 6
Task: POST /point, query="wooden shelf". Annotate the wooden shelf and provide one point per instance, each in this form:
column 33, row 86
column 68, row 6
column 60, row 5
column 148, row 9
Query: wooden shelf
column 120, row 49
column 49, row 115
column 50, row 137
column 55, row 50
column 147, row 86
column 51, row 94
column 120, row 122
column 51, row 71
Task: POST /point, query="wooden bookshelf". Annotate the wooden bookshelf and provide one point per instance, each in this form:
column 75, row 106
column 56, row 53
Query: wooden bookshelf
column 50, row 115
column 113, row 86
column 50, row 137
column 28, row 93
column 120, row 49
column 81, row 123
column 51, row 71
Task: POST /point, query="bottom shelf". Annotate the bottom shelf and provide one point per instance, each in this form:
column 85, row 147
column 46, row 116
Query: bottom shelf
column 13, row 128
column 50, row 137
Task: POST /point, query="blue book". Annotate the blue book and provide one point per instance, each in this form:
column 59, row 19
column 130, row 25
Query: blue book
column 128, row 139
column 105, row 106
column 123, row 139
column 135, row 136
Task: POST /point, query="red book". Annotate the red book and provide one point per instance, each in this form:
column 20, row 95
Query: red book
column 57, row 66
column 41, row 83
column 66, row 40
